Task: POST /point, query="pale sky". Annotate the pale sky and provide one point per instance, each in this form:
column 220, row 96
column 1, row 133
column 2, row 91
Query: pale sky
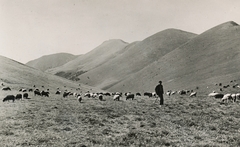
column 30, row 29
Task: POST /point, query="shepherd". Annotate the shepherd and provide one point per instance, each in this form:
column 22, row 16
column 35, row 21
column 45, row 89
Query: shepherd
column 159, row 91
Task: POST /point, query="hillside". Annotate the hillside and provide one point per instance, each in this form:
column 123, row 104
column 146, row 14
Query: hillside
column 51, row 61
column 101, row 54
column 17, row 75
column 211, row 57
column 136, row 56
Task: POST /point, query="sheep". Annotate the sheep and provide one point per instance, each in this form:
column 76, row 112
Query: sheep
column 193, row 94
column 138, row 94
column 149, row 94
column 58, row 92
column 226, row 97
column 6, row 88
column 18, row 96
column 130, row 96
column 87, row 95
column 182, row 92
column 215, row 95
column 79, row 98
column 37, row 92
column 65, row 94
column 168, row 92
column 9, row 97
column 100, row 97
column 238, row 96
column 116, row 97
column 107, row 94
column 25, row 95
column 234, row 97
column 46, row 94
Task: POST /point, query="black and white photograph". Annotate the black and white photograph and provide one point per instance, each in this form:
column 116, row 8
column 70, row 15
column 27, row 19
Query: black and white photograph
column 119, row 73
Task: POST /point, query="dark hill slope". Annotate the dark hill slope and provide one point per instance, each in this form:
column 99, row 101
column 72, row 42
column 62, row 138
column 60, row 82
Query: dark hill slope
column 135, row 57
column 209, row 58
column 51, row 61
column 101, row 54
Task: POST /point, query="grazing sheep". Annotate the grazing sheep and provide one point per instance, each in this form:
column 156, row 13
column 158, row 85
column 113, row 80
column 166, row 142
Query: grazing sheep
column 30, row 90
column 149, row 94
column 238, row 96
column 6, row 88
column 100, row 97
column 234, row 97
column 46, row 94
column 23, row 90
column 18, row 97
column 58, row 92
column 182, row 92
column 25, row 95
column 169, row 92
column 116, row 97
column 226, row 97
column 87, row 95
column 9, row 97
column 130, row 96
column 37, row 92
column 193, row 94
column 138, row 94
column 215, row 95
column 65, row 94
column 79, row 98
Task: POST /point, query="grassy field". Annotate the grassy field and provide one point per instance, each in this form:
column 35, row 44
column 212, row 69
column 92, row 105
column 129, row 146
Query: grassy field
column 57, row 121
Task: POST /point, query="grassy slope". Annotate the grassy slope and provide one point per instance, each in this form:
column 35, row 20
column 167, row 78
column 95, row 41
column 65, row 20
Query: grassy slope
column 137, row 56
column 211, row 57
column 92, row 59
column 56, row 121
column 51, row 61
column 17, row 75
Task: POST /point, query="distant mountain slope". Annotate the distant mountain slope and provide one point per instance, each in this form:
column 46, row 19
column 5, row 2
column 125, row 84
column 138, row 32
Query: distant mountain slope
column 135, row 57
column 17, row 75
column 101, row 54
column 51, row 61
column 209, row 58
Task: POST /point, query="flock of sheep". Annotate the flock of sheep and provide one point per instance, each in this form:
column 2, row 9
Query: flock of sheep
column 118, row 95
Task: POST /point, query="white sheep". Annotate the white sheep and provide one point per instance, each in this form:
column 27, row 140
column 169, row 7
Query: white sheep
column 116, row 97
column 215, row 95
column 226, row 97
column 193, row 94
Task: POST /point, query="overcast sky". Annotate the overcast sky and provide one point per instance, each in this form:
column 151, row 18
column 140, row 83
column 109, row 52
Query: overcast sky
column 30, row 29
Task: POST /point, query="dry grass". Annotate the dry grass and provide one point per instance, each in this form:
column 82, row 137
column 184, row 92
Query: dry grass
column 182, row 121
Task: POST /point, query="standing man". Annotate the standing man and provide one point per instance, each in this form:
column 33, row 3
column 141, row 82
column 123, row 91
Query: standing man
column 159, row 91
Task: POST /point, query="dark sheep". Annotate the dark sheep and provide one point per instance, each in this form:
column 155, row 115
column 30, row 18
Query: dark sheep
column 9, row 97
column 79, row 99
column 30, row 90
column 100, row 97
column 65, row 94
column 37, row 92
column 18, row 96
column 6, row 88
column 46, row 94
column 107, row 94
column 58, row 92
column 25, row 95
column 138, row 94
column 149, row 94
column 130, row 96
